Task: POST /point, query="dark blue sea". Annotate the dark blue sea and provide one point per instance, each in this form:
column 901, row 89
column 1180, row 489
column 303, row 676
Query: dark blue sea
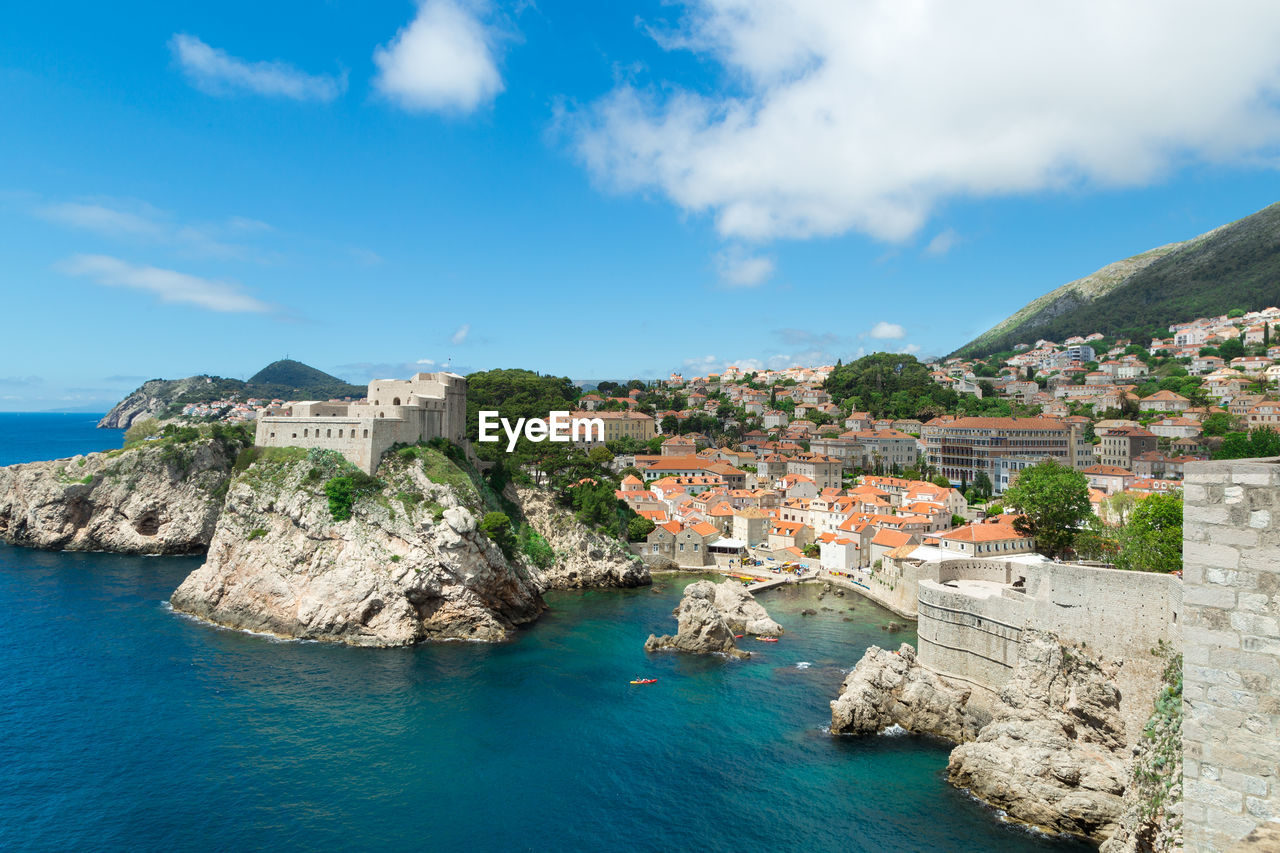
column 126, row 727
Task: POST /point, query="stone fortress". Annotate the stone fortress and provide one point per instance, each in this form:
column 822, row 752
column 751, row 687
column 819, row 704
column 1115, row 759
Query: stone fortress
column 396, row 411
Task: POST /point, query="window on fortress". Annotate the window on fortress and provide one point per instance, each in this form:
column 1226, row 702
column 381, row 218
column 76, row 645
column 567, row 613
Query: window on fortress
column 339, row 433
column 366, row 433
column 328, row 433
column 305, row 433
column 396, row 401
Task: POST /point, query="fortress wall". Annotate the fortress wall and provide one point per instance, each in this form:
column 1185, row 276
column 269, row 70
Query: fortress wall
column 1116, row 615
column 1231, row 651
column 319, row 432
column 896, row 584
column 969, row 638
column 1113, row 612
column 976, row 570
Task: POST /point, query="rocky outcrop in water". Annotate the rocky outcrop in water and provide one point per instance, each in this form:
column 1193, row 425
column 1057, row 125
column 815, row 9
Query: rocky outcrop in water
column 160, row 498
column 702, row 628
column 1049, row 751
column 408, row 565
column 742, row 612
column 890, row 689
column 584, row 558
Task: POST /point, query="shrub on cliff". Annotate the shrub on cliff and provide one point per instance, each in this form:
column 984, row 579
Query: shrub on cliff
column 343, row 491
column 497, row 527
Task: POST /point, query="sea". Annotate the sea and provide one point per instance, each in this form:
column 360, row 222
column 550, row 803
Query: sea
column 125, row 726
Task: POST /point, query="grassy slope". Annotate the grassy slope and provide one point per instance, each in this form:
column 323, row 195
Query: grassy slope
column 1235, row 266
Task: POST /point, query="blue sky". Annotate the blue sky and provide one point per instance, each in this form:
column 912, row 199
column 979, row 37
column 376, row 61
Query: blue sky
column 591, row 189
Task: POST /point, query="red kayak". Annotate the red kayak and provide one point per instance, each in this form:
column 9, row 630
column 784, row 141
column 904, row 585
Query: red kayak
column 644, row 681
column 767, row 639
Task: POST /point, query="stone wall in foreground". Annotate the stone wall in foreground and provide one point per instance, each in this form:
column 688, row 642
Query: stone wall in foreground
column 1231, row 651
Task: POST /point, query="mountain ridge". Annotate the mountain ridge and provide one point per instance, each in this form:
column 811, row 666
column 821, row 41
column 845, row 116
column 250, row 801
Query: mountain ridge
column 1236, row 265
column 285, row 379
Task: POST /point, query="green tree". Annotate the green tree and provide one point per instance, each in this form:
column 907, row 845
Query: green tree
column 639, row 528
column 600, row 457
column 1233, row 348
column 1219, row 423
column 497, row 527
column 1152, row 540
column 982, row 485
column 1053, row 501
column 1262, row 442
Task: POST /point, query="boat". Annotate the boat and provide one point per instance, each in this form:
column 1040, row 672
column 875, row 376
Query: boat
column 767, row 639
column 644, row 681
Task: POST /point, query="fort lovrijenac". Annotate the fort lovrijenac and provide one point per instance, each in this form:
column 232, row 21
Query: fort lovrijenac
column 396, row 411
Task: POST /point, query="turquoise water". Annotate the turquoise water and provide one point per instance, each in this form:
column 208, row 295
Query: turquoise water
column 129, row 727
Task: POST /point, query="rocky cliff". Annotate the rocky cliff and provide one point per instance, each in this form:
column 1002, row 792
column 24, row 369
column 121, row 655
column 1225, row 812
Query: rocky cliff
column 1152, row 817
column 890, row 689
column 1049, row 750
column 1054, row 754
column 584, row 558
column 408, row 565
column 150, row 400
column 160, row 498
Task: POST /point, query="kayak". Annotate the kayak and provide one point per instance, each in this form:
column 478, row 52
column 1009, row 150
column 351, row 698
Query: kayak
column 767, row 639
column 644, row 681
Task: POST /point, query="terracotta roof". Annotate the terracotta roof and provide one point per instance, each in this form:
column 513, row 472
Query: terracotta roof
column 890, row 538
column 984, row 532
column 1007, row 423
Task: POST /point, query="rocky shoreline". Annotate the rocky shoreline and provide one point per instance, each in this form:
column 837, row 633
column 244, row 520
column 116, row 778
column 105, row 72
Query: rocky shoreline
column 1049, row 750
column 408, row 565
column 709, row 618
column 161, row 499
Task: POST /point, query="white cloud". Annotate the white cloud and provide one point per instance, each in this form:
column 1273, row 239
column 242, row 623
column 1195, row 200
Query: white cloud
column 865, row 115
column 217, row 72
column 169, row 285
column 737, row 268
column 883, row 331
column 104, row 220
column 138, row 221
column 944, row 241
column 461, row 334
column 443, row 60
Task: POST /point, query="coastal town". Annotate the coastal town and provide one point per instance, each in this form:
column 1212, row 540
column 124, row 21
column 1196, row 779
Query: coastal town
column 770, row 468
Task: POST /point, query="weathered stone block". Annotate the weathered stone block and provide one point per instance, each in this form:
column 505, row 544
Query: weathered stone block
column 1212, row 793
column 1262, row 809
column 1223, row 597
column 1206, row 515
column 1252, row 475
column 1252, row 623
column 1236, row 536
column 1218, row 556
